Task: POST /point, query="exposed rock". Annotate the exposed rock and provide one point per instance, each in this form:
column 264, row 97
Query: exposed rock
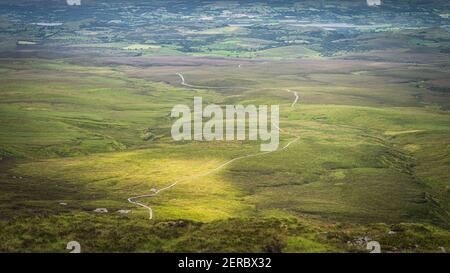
column 360, row 241
column 101, row 210
column 180, row 223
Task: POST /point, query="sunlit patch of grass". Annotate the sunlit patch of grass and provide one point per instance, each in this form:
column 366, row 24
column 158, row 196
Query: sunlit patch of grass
column 300, row 244
column 369, row 155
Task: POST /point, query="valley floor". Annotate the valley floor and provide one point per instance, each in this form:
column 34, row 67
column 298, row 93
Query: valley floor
column 371, row 161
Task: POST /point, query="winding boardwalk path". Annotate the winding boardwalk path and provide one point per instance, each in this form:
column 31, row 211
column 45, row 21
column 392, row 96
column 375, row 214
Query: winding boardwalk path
column 134, row 199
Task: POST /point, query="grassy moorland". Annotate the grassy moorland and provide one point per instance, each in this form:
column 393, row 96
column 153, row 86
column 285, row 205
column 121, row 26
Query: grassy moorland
column 85, row 103
column 371, row 161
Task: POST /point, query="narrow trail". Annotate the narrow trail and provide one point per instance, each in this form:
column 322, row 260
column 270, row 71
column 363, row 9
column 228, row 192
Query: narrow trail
column 133, row 200
column 296, row 97
column 183, row 82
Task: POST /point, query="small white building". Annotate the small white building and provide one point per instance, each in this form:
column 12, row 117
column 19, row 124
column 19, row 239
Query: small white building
column 372, row 3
